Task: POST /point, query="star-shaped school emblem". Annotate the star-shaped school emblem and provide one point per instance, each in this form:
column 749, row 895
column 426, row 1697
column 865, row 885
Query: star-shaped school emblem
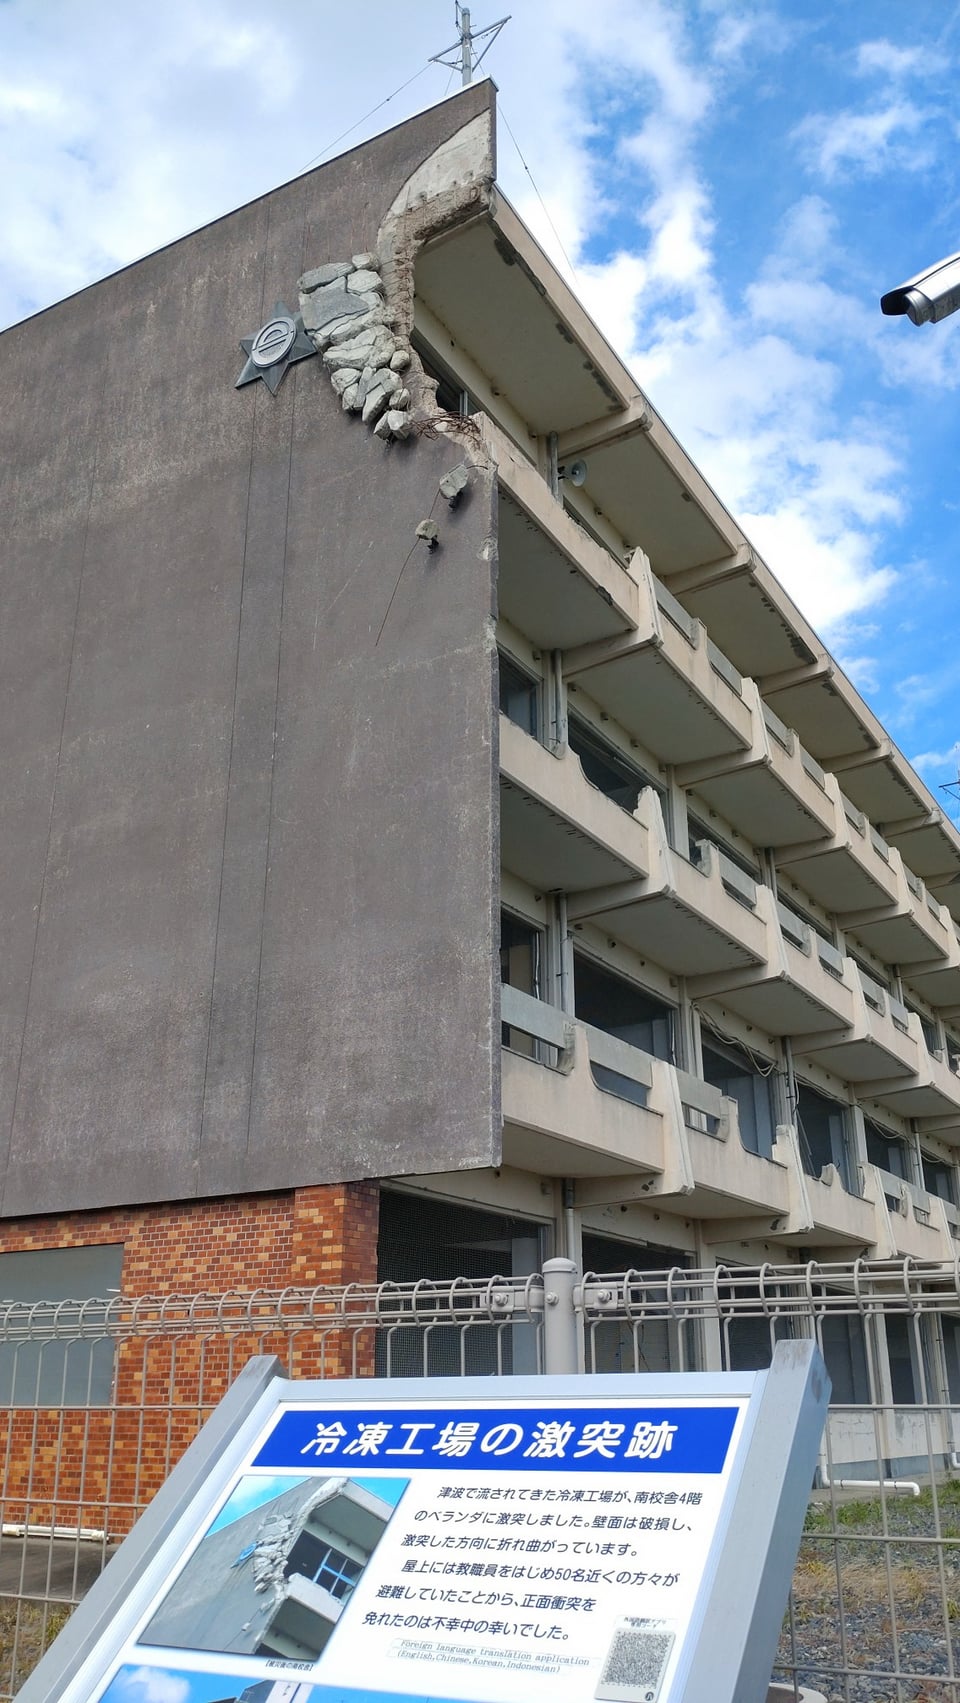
column 279, row 342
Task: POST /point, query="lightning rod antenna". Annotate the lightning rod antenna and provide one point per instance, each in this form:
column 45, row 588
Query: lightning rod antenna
column 467, row 58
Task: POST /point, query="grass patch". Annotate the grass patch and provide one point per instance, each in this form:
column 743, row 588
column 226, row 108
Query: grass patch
column 27, row 1629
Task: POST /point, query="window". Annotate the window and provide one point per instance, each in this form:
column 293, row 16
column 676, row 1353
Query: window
column 520, row 967
column 698, row 833
column 891, row 1153
column 951, row 1356
column 604, row 766
column 519, row 696
column 314, row 1558
column 449, row 1240
column 939, row 1177
column 60, row 1372
column 748, row 1334
column 653, row 1344
column 824, row 1138
column 620, row 1008
column 928, row 1029
column 868, row 969
column 734, row 1071
column 844, row 1350
column 909, row 1359
column 452, row 396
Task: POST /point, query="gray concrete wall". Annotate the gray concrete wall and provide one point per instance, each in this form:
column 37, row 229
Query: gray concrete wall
column 247, row 849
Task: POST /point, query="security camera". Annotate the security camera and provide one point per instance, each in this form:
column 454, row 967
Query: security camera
column 930, row 296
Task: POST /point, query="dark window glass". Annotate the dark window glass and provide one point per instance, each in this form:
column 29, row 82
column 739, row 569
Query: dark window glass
column 748, row 1336
column 442, row 1240
column 58, row 1372
column 868, row 970
column 824, row 1140
column 313, row 1558
column 520, row 967
column 656, row 1345
column 890, row 1152
column 519, row 697
column 698, row 831
column 903, row 1382
column 731, row 1070
column 845, row 1352
column 621, row 1008
column 939, row 1178
column 951, row 1355
column 452, row 396
column 928, row 1029
column 604, row 766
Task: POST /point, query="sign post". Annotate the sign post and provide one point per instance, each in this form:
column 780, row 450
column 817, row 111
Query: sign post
column 624, row 1539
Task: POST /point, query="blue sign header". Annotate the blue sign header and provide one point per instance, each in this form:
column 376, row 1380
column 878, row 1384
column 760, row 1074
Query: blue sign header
column 531, row 1439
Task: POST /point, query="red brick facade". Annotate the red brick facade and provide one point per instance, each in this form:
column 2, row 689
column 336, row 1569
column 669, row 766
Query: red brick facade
column 321, row 1235
column 93, row 1467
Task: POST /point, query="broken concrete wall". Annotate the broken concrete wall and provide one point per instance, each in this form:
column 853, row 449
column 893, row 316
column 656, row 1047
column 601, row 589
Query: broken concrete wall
column 249, row 834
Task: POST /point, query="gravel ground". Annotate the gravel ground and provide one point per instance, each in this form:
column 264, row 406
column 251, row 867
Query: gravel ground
column 900, row 1601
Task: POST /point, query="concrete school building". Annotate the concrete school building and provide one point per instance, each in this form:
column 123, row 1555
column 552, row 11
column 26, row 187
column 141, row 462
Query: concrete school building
column 432, row 839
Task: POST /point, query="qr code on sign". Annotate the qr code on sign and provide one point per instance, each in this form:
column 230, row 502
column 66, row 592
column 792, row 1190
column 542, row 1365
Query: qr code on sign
column 636, row 1661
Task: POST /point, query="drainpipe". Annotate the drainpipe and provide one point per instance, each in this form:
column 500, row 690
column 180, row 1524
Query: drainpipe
column 896, row 1486
column 570, row 1226
column 553, row 464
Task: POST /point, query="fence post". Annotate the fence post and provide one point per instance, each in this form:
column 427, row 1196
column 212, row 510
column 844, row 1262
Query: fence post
column 561, row 1336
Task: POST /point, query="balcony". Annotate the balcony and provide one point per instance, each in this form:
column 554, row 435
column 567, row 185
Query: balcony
column 555, row 583
column 932, row 1094
column 665, row 683
column 822, row 1212
column 703, row 918
column 909, row 1224
column 625, row 1125
column 556, row 830
column 556, row 1120
column 912, row 928
column 804, row 986
column 774, row 793
column 879, row 1045
column 938, row 984
column 852, row 870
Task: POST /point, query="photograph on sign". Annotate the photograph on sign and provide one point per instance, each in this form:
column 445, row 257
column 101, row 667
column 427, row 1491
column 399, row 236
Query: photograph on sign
column 170, row 1685
column 465, row 1548
column 275, row 1571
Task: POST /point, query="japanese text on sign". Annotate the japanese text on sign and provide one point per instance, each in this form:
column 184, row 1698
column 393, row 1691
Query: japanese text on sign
column 677, row 1440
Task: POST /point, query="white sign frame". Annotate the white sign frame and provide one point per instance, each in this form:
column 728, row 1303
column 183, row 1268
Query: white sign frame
column 626, row 1635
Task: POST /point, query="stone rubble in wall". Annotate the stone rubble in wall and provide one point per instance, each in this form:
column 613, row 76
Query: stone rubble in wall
column 345, row 314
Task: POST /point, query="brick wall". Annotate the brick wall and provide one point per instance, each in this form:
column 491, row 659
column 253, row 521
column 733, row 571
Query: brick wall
column 92, row 1467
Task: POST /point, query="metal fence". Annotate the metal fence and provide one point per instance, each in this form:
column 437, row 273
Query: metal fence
column 102, row 1397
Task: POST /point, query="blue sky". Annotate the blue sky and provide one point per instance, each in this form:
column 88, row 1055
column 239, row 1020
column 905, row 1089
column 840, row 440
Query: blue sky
column 255, row 1488
column 733, row 185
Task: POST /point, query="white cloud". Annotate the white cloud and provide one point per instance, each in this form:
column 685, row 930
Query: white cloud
column 927, row 761
column 149, row 1685
column 896, row 62
column 875, row 142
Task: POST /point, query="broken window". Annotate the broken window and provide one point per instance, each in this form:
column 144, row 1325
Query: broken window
column 822, row 1125
column 738, row 1074
column 604, row 766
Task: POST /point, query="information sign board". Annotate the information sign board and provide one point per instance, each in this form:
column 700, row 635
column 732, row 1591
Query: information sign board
column 595, row 1538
